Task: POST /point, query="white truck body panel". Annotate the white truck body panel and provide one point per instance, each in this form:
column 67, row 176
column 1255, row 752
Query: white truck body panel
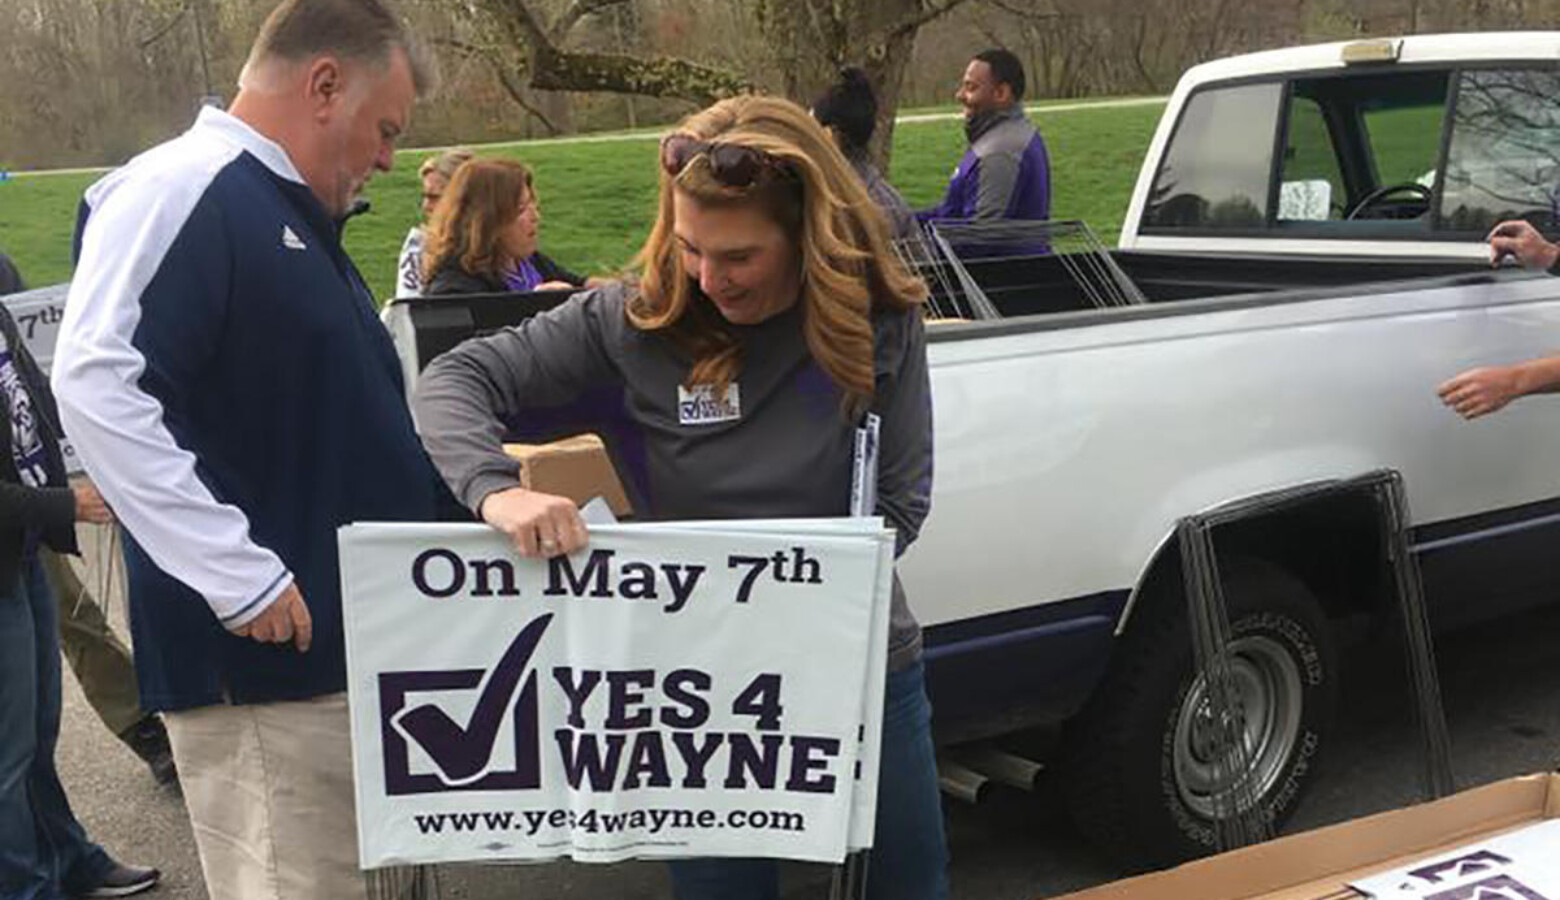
column 1064, row 456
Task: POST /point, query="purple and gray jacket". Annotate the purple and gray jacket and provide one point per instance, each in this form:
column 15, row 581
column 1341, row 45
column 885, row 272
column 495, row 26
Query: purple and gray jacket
column 1006, row 173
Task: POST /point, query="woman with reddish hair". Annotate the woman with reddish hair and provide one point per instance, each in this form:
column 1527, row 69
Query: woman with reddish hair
column 482, row 238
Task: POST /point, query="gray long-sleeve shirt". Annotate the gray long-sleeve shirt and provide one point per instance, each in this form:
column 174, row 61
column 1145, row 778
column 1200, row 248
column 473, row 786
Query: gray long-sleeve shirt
column 777, row 445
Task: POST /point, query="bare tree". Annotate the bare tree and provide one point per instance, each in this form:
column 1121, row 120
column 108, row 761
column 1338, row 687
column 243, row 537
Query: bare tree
column 548, row 65
column 93, row 81
column 808, row 40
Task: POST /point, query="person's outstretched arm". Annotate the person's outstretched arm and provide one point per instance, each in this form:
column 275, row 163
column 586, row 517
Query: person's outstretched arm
column 1479, row 392
column 1486, row 389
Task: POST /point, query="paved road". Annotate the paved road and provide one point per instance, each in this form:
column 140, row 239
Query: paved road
column 1501, row 684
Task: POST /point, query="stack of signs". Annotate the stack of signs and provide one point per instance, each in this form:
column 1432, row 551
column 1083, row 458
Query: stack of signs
column 1519, row 865
column 676, row 690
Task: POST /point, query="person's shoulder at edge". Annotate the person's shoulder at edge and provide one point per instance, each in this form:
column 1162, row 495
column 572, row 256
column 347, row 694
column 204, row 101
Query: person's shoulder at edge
column 194, row 157
column 608, row 303
column 606, row 307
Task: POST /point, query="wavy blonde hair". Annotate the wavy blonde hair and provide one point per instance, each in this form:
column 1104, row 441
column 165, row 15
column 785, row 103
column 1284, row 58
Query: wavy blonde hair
column 849, row 268
column 483, row 197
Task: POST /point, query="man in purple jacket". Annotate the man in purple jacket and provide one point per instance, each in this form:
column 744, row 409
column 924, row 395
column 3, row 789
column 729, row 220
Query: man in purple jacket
column 1006, row 173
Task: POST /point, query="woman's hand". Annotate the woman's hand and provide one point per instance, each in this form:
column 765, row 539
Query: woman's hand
column 540, row 525
column 554, row 286
column 90, row 505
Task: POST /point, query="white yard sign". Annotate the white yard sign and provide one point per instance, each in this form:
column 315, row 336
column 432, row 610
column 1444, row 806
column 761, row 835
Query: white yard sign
column 38, row 314
column 672, row 690
column 1520, row 865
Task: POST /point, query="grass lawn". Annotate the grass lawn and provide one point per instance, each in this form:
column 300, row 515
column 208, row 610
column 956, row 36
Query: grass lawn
column 598, row 199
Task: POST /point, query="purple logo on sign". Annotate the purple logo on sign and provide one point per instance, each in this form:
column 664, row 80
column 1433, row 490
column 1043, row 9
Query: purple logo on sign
column 463, row 754
column 1461, row 867
column 1499, row 887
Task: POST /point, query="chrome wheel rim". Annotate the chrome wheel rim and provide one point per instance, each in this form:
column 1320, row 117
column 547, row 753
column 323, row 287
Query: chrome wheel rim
column 1267, row 700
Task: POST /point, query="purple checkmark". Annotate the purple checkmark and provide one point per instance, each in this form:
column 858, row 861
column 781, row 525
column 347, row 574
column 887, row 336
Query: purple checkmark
column 462, row 753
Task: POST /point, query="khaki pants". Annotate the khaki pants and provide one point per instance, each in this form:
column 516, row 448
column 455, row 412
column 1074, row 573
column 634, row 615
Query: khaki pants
column 270, row 798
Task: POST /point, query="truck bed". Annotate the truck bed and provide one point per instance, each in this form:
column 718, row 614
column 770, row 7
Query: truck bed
column 1039, row 284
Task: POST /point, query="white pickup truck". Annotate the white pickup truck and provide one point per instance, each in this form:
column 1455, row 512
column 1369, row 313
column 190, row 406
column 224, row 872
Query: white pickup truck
column 1307, row 233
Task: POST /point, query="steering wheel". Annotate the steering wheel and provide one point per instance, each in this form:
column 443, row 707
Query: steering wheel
column 1379, row 194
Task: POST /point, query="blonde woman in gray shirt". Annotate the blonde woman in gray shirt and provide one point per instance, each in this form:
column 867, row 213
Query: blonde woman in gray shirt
column 769, row 319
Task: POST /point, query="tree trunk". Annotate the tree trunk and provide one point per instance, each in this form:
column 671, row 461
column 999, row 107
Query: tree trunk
column 888, row 76
column 814, row 39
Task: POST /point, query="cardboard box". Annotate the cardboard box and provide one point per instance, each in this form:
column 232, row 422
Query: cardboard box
column 576, row 467
column 1320, row 864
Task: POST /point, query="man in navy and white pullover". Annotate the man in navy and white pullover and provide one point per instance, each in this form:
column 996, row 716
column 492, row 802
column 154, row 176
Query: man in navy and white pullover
column 1006, row 173
column 223, row 375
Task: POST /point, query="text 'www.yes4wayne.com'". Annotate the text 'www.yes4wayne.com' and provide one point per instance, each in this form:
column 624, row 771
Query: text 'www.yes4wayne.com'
column 653, row 821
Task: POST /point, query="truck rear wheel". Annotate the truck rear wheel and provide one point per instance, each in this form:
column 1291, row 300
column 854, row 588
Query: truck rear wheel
column 1139, row 764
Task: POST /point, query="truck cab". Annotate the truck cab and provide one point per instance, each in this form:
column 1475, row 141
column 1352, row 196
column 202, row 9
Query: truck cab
column 1405, row 147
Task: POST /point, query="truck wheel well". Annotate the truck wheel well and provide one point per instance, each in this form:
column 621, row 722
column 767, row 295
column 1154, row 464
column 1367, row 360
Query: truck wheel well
column 1333, row 544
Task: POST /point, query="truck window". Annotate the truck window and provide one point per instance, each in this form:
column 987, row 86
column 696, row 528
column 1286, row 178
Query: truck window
column 1219, row 161
column 1406, row 139
column 1504, row 161
column 1360, row 152
column 1311, row 186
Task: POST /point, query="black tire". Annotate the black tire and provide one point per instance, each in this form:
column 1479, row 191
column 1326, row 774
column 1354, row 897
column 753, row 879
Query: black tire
column 1130, row 771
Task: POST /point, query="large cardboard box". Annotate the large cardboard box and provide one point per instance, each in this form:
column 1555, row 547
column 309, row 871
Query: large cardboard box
column 1320, row 864
column 576, row 467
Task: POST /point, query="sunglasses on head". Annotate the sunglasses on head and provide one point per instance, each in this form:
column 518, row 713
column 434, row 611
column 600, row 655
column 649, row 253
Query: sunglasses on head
column 733, row 165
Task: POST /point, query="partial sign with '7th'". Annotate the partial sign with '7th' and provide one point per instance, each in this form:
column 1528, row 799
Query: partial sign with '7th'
column 667, row 691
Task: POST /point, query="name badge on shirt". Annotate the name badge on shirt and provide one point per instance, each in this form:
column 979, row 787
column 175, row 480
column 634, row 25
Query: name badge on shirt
column 698, row 405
